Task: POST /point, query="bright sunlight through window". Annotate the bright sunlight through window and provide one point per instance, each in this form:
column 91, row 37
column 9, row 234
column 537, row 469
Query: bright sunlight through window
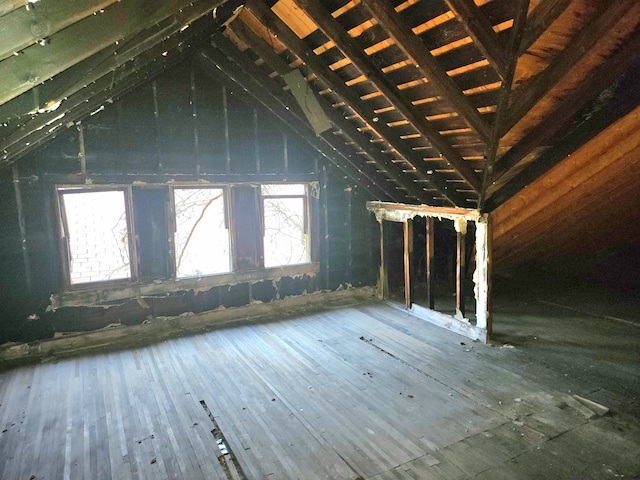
column 201, row 237
column 285, row 225
column 96, row 228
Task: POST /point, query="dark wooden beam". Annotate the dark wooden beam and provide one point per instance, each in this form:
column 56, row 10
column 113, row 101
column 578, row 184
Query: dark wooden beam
column 347, row 128
column 538, row 87
column 481, row 31
column 622, row 99
column 88, row 100
column 540, row 19
column 64, row 86
column 332, row 29
column 297, row 46
column 37, row 63
column 259, row 90
column 408, row 247
column 602, row 77
column 26, row 26
column 461, row 233
column 505, row 94
column 428, row 66
column 429, row 261
column 43, row 124
column 286, row 106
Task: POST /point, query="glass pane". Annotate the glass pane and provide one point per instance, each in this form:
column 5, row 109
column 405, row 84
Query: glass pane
column 285, row 241
column 283, row 189
column 98, row 236
column 201, row 238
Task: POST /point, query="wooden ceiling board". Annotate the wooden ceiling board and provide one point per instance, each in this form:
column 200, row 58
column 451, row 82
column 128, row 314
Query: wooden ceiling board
column 604, row 164
column 596, row 41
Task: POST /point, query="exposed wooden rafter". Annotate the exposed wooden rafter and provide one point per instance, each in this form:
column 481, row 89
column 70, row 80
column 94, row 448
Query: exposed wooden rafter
column 285, row 108
column 297, row 46
column 427, row 64
column 540, row 135
column 576, row 49
column 540, row 19
column 505, row 94
column 481, row 30
column 38, row 63
column 623, row 98
column 85, row 101
column 387, row 167
column 343, row 41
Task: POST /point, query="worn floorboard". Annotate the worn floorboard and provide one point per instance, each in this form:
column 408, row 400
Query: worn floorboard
column 360, row 392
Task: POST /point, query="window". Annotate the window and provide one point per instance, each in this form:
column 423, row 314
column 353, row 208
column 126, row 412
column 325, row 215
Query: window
column 284, row 210
column 201, row 236
column 95, row 226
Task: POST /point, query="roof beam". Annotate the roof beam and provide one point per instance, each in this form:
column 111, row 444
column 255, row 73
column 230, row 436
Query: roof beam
column 624, row 98
column 297, row 46
column 533, row 92
column 605, row 75
column 86, row 100
column 280, row 104
column 26, row 26
column 332, row 28
column 37, row 63
column 540, row 19
column 505, row 92
column 427, row 65
column 382, row 161
column 283, row 105
column 481, row 31
column 83, row 75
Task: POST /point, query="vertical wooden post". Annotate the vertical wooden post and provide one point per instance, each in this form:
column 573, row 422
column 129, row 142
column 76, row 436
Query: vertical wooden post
column 461, row 231
column 383, row 282
column 482, row 274
column 156, row 116
column 194, row 119
column 82, row 154
column 23, row 228
column 429, row 255
column 408, row 247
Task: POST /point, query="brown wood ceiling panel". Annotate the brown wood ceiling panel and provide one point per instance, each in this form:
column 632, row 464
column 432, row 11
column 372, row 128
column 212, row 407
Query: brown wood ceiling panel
column 532, row 224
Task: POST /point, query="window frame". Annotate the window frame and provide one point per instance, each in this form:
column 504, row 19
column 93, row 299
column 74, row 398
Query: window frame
column 63, row 235
column 173, row 226
column 307, row 230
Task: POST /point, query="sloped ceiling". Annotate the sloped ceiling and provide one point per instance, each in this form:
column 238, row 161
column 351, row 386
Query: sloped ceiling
column 445, row 102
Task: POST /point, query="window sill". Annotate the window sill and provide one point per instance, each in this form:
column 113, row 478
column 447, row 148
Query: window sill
column 106, row 293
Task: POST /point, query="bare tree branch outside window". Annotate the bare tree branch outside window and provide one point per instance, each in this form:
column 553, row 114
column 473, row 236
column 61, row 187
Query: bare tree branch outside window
column 201, row 237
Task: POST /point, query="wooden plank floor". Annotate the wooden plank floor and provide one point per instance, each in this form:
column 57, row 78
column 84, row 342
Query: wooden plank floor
column 360, row 392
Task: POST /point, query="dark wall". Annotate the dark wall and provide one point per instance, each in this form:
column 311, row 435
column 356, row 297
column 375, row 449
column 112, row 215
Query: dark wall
column 180, row 127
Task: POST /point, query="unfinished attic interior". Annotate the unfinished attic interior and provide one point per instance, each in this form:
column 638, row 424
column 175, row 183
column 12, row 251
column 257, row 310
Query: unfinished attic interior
column 366, row 239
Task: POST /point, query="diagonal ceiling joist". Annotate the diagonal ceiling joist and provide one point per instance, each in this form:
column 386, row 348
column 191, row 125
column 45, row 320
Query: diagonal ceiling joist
column 91, row 99
column 545, row 13
column 26, row 26
column 38, row 63
column 343, row 41
column 624, row 97
column 505, row 93
column 481, row 31
column 541, row 134
column 330, row 78
column 427, row 65
column 286, row 101
column 347, row 128
column 283, row 105
column 577, row 48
